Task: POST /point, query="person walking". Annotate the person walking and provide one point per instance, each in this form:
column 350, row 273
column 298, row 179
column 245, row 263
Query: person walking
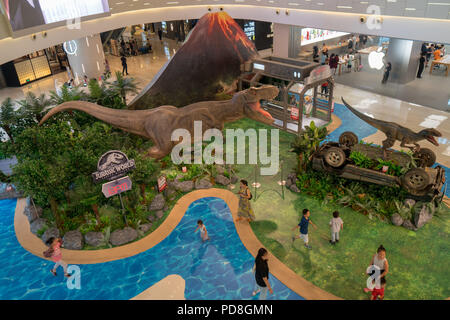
column 261, row 270
column 387, row 70
column 160, row 34
column 54, row 252
column 336, row 225
column 358, row 61
column 303, row 225
column 245, row 210
column 379, row 262
column 124, row 65
column 421, row 66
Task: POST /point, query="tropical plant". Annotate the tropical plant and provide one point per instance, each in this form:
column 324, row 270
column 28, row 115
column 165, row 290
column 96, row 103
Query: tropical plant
column 361, row 160
column 67, row 94
column 124, row 86
column 34, row 106
column 8, row 117
column 393, row 169
column 307, row 143
column 104, row 96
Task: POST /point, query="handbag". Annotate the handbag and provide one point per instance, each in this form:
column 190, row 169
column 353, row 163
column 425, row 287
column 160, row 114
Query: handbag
column 48, row 253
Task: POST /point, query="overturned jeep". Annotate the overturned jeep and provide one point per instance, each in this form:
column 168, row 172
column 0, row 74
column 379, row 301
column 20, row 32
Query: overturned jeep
column 421, row 182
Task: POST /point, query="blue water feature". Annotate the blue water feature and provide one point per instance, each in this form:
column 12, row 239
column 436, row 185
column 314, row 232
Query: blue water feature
column 217, row 269
column 362, row 129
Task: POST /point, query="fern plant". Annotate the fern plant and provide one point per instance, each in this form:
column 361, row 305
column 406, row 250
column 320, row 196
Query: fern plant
column 361, row 160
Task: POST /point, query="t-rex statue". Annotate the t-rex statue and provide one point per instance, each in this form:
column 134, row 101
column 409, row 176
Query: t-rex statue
column 158, row 124
column 394, row 131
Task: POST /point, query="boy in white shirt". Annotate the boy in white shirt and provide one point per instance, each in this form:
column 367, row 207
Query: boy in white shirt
column 336, row 224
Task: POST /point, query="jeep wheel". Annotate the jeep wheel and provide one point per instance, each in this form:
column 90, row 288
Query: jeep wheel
column 335, row 157
column 348, row 139
column 416, row 179
column 426, row 157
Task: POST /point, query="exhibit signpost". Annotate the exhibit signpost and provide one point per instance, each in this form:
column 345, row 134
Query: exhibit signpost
column 112, row 166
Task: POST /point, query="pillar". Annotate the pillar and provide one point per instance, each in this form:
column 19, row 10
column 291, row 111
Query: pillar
column 404, row 56
column 281, row 37
column 86, row 57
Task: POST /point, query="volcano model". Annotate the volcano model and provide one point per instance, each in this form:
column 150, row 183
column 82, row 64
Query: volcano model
column 208, row 63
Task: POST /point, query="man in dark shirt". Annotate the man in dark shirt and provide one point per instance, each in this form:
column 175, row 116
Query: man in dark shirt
column 421, row 65
column 124, row 65
column 303, row 225
column 24, row 14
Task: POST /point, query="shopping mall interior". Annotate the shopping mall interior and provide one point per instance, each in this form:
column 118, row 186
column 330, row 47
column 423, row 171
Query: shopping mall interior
column 92, row 86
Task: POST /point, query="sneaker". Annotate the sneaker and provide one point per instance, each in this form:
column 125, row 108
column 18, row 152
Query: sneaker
column 53, row 272
column 332, row 242
column 308, row 246
column 67, row 275
column 337, row 240
column 254, row 293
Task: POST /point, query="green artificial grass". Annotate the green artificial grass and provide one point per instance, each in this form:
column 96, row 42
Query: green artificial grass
column 418, row 260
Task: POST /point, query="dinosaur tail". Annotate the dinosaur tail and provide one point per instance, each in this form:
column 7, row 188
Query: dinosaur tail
column 128, row 120
column 362, row 116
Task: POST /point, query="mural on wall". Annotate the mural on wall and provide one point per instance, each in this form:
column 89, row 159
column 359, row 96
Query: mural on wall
column 207, row 64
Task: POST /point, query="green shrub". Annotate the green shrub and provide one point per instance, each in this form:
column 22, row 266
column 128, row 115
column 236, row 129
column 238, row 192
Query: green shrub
column 361, row 160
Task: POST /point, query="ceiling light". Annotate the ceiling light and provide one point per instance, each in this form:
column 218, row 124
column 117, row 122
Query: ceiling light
column 344, row 7
column 438, row 4
column 391, row 0
column 120, row 2
column 410, row 9
column 364, row 2
column 293, row 4
column 173, row 2
column 320, row 3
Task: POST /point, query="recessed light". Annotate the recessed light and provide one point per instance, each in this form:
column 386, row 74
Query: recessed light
column 364, row 2
column 410, row 9
column 120, row 2
column 438, row 4
column 173, row 2
column 293, row 4
column 320, row 3
column 344, row 7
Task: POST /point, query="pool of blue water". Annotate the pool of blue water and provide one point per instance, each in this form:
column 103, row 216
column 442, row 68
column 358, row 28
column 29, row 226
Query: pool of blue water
column 217, row 269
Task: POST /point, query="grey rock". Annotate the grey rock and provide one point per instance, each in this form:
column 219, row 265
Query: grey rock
column 51, row 232
column 220, row 169
column 185, row 186
column 410, row 202
column 157, row 203
column 32, row 213
column 397, row 219
column 409, row 225
column 179, row 177
column 423, row 216
column 94, row 239
column 220, row 179
column 170, row 193
column 166, row 207
column 145, row 227
column 151, row 217
column 288, row 183
column 37, row 225
column 123, row 236
column 73, row 240
column 159, row 214
column 203, row 184
column 292, row 176
column 234, row 179
column 294, row 188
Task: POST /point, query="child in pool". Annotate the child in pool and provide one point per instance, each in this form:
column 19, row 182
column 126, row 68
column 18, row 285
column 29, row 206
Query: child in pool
column 203, row 232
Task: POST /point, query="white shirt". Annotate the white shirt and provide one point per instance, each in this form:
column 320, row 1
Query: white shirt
column 335, row 224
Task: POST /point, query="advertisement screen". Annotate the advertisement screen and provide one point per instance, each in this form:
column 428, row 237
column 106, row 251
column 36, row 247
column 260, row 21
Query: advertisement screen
column 24, row 14
column 312, row 35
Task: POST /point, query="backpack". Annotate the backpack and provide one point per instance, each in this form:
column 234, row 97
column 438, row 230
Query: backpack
column 48, row 253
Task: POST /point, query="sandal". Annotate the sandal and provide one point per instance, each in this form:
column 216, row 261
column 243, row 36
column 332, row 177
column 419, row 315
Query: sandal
column 53, row 272
column 67, row 275
column 254, row 293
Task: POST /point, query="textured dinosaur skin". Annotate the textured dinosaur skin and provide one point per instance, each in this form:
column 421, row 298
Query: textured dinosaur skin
column 159, row 123
column 394, row 131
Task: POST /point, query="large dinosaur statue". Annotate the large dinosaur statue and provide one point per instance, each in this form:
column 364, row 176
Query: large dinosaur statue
column 159, row 123
column 394, row 131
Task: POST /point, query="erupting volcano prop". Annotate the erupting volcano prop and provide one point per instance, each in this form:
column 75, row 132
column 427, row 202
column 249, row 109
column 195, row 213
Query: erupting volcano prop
column 208, row 63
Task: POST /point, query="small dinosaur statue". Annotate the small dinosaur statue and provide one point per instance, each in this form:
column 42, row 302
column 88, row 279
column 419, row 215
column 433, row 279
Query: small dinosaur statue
column 394, row 131
column 158, row 124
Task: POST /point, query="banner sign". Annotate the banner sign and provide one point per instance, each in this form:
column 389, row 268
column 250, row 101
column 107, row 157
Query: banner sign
column 318, row 74
column 162, row 183
column 294, row 113
column 116, row 187
column 112, row 165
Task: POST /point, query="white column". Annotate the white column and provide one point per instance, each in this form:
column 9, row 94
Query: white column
column 281, row 36
column 86, row 57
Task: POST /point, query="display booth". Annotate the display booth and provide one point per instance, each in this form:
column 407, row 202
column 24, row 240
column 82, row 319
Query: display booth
column 301, row 98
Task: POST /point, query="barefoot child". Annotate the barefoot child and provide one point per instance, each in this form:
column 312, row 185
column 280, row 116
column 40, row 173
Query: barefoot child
column 203, row 232
column 336, row 225
column 55, row 253
column 303, row 225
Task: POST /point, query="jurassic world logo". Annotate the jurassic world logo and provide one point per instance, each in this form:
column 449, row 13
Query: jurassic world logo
column 112, row 165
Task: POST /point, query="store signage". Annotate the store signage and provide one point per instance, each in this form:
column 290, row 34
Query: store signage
column 70, row 47
column 312, row 35
column 376, row 59
column 249, row 30
column 294, row 113
column 116, row 187
column 162, row 183
column 112, row 165
column 258, row 66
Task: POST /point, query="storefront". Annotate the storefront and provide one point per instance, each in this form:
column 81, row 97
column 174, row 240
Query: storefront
column 35, row 66
column 260, row 32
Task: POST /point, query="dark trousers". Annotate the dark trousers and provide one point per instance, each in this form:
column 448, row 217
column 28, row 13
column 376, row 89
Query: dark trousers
column 125, row 69
column 385, row 77
column 419, row 73
column 324, row 90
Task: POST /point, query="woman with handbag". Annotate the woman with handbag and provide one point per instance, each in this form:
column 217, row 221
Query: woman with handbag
column 245, row 210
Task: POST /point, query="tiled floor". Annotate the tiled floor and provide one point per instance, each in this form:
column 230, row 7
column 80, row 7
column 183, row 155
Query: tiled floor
column 412, row 115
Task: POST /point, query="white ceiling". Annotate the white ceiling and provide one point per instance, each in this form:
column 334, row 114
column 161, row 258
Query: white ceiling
column 438, row 9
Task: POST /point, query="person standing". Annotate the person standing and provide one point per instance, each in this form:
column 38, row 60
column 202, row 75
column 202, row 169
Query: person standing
column 160, row 34
column 245, row 210
column 203, row 231
column 379, row 262
column 421, row 66
column 261, row 270
column 355, row 44
column 358, row 61
column 124, row 65
column 303, row 225
column 437, row 53
column 336, row 225
column 429, row 53
column 387, row 70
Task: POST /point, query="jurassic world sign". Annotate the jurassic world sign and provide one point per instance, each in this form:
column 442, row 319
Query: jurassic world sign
column 112, row 165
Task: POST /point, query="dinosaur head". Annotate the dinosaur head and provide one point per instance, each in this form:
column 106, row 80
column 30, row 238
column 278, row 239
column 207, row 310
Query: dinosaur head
column 429, row 134
column 253, row 97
